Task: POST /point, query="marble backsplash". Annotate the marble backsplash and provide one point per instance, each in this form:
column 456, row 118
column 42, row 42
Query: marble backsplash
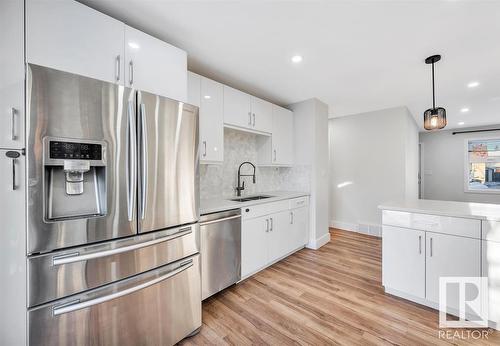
column 220, row 181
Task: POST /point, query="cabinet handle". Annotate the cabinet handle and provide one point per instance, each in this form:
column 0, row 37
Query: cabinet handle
column 271, row 225
column 205, row 148
column 267, row 225
column 420, row 244
column 13, row 155
column 12, row 123
column 431, row 247
column 291, row 217
column 253, row 119
column 274, row 155
column 131, row 72
column 250, row 118
column 117, row 66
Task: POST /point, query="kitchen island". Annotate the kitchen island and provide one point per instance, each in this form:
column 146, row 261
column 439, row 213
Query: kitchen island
column 425, row 240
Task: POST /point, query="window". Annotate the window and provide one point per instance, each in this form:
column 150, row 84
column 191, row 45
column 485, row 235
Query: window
column 482, row 172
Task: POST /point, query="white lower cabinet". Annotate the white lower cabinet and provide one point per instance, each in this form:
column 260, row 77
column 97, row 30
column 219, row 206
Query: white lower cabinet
column 491, row 269
column 254, row 245
column 270, row 232
column 299, row 228
column 279, row 230
column 448, row 256
column 403, row 260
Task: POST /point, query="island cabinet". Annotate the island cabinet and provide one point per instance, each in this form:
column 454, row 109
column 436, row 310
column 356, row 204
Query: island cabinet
column 272, row 231
column 490, row 246
column 419, row 249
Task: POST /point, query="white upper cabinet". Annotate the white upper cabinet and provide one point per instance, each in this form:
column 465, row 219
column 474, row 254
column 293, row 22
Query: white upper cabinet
column 282, row 140
column 247, row 112
column 277, row 150
column 237, row 108
column 262, row 114
column 12, row 74
column 155, row 66
column 68, row 36
column 193, row 88
column 211, row 121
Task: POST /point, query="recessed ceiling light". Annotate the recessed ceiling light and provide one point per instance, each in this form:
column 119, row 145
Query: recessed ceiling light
column 472, row 84
column 464, row 110
column 133, row 45
column 207, row 97
column 296, row 59
column 461, row 123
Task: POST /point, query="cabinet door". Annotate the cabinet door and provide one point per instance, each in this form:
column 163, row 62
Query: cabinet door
column 193, row 89
column 237, row 109
column 299, row 220
column 491, row 269
column 262, row 115
column 13, row 254
column 254, row 245
column 449, row 255
column 403, row 260
column 72, row 37
column 280, row 239
column 282, row 138
column 155, row 66
column 211, row 121
column 12, row 74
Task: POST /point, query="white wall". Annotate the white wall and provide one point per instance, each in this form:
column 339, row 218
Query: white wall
column 311, row 150
column 444, row 164
column 373, row 159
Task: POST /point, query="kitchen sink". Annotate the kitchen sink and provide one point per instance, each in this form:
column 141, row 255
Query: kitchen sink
column 250, row 198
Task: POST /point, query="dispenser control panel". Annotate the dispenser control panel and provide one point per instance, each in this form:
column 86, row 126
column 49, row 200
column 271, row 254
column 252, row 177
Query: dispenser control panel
column 74, row 150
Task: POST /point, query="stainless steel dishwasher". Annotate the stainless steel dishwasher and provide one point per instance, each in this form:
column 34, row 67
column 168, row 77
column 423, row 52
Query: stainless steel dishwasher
column 220, row 251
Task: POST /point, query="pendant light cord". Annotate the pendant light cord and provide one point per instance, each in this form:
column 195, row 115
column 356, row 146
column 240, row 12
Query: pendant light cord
column 433, row 91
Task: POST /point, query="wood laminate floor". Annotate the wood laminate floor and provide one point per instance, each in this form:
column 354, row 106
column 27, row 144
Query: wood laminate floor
column 325, row 297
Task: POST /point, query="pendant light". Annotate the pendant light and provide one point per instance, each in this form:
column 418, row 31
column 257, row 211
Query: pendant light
column 434, row 118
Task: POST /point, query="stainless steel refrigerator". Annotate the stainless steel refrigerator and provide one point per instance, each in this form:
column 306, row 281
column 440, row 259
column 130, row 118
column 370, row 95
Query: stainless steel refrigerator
column 112, row 213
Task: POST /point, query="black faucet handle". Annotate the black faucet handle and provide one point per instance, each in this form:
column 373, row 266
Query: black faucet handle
column 243, row 185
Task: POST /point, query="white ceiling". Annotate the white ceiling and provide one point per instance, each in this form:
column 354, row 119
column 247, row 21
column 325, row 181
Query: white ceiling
column 359, row 56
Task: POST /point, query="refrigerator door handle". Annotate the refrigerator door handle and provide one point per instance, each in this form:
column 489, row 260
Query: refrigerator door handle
column 77, row 257
column 144, row 161
column 131, row 157
column 77, row 305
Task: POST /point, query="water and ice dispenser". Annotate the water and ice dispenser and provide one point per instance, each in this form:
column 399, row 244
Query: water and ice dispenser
column 74, row 178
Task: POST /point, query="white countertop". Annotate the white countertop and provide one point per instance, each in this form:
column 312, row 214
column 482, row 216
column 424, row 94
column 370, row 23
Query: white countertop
column 214, row 205
column 482, row 211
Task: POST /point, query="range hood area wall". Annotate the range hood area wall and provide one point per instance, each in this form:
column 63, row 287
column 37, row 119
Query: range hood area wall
column 220, row 180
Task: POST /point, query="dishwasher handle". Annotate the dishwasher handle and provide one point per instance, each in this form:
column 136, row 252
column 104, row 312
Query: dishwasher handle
column 220, row 220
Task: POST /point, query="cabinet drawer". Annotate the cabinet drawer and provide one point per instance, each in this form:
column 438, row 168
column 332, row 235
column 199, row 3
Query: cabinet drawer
column 435, row 223
column 263, row 209
column 299, row 202
column 491, row 231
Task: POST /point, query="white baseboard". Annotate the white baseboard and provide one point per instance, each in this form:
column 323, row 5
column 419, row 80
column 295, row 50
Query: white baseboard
column 315, row 244
column 364, row 228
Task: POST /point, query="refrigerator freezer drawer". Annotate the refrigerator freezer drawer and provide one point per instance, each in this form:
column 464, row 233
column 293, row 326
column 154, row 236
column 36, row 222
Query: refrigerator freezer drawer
column 59, row 274
column 159, row 307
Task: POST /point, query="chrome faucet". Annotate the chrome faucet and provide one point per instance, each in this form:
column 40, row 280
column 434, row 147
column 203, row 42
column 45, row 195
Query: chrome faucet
column 242, row 187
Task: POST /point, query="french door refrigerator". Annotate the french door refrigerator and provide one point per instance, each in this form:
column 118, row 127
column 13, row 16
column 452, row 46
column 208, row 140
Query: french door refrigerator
column 112, row 213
